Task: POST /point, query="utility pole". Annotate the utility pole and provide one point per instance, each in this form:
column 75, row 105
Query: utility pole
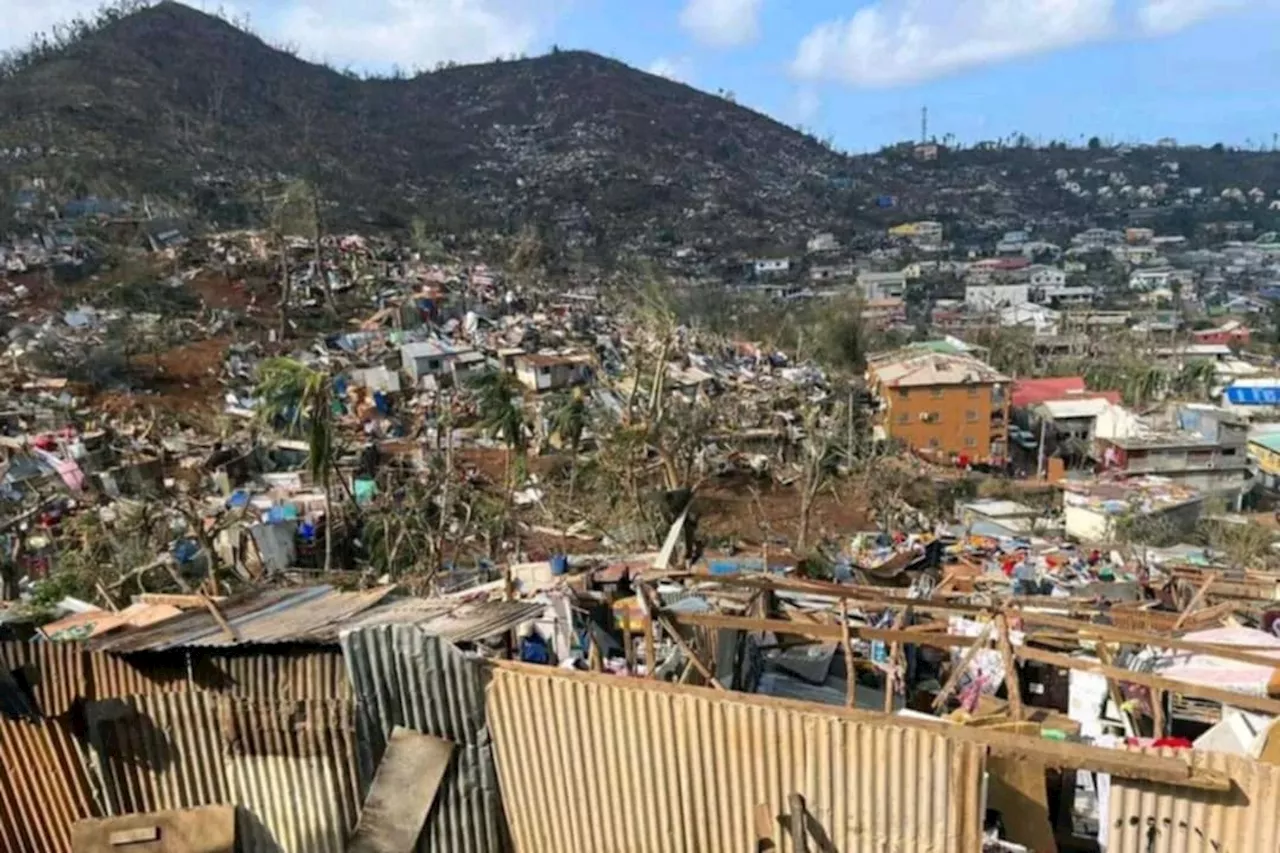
column 924, row 125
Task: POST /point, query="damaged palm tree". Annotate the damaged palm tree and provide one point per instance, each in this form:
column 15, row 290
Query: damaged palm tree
column 571, row 417
column 299, row 399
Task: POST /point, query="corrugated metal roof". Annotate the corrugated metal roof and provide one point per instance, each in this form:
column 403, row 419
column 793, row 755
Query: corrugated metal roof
column 291, row 766
column 156, row 753
column 458, row 622
column 270, row 674
column 683, row 770
column 404, row 676
column 54, row 672
column 44, row 786
column 1144, row 817
column 307, row 615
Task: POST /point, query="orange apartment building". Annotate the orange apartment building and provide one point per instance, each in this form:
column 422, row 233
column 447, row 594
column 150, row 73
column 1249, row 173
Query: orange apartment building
column 950, row 405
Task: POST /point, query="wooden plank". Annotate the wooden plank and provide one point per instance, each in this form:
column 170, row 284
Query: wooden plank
column 400, row 798
column 1016, row 789
column 1013, row 685
column 1106, row 632
column 1198, row 691
column 1195, row 601
column 953, row 679
column 799, row 824
column 821, row 631
column 850, row 671
column 896, row 663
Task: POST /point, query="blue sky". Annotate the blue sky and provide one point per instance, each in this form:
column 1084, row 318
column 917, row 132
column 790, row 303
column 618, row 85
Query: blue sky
column 857, row 71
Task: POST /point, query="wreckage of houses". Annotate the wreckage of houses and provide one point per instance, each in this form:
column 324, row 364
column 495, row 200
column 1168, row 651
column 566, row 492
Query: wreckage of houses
column 308, row 719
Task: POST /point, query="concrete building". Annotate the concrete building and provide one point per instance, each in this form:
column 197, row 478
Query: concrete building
column 440, row 361
column 993, row 297
column 539, row 372
column 1205, row 450
column 950, row 404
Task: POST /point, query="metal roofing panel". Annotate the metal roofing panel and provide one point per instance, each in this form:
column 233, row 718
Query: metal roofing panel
column 689, row 770
column 311, row 614
column 54, row 671
column 271, row 674
column 1144, row 817
column 291, row 766
column 458, row 622
column 158, row 753
column 44, row 786
column 404, row 676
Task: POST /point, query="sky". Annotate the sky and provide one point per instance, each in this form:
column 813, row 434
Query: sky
column 857, row 72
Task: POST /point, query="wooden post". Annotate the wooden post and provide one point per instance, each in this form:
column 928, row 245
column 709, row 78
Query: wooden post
column 799, row 830
column 898, row 668
column 650, row 665
column 1157, row 712
column 629, row 648
column 850, row 674
column 1194, row 602
column 1011, row 681
column 952, row 680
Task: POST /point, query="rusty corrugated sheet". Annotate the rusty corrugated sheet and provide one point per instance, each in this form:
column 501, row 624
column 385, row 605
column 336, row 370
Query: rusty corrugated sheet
column 458, row 622
column 310, row 614
column 291, row 766
column 158, row 752
column 44, row 786
column 404, row 676
column 270, row 674
column 1148, row 818
column 55, row 671
column 665, row 769
column 117, row 676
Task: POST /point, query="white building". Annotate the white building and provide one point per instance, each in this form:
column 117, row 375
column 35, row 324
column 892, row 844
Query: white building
column 1044, row 276
column 882, row 285
column 992, row 297
column 823, row 243
column 1150, row 279
column 771, row 266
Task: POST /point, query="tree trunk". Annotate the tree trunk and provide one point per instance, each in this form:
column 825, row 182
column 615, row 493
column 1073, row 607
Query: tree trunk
column 328, row 523
column 319, row 247
column 286, row 289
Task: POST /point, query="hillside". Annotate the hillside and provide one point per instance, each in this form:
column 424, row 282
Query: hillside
column 170, row 99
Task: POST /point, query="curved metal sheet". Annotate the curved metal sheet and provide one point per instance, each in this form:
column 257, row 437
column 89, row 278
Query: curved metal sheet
column 403, row 676
column 291, row 766
column 44, row 786
column 684, row 770
column 1145, row 817
column 54, row 671
column 158, row 753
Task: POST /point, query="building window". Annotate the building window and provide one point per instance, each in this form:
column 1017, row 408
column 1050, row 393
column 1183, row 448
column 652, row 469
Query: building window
column 544, row 370
column 1229, row 451
column 970, row 441
column 971, row 416
column 433, row 365
column 936, row 393
column 973, row 390
column 904, row 418
column 934, row 444
column 902, row 392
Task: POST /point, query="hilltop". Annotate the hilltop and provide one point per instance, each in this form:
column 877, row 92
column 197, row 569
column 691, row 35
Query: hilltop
column 171, row 101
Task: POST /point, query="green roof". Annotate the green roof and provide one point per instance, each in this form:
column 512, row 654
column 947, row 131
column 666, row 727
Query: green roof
column 940, row 346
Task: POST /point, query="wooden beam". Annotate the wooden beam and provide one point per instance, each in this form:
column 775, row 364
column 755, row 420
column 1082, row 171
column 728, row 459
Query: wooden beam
column 821, row 631
column 895, row 662
column 218, row 617
column 846, row 643
column 953, row 679
column 1195, row 600
column 674, row 633
column 1107, row 632
column 799, row 824
column 1012, row 683
column 1155, row 682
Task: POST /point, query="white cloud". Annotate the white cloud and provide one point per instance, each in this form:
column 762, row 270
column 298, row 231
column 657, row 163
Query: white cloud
column 413, row 32
column 25, row 18
column 722, row 23
column 369, row 34
column 1163, row 17
column 897, row 42
column 677, row 68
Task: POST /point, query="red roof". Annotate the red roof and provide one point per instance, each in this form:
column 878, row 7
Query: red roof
column 1033, row 392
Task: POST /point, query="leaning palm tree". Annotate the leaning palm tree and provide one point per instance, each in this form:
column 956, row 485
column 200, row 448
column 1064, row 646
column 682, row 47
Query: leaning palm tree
column 298, row 399
column 500, row 403
column 1197, row 378
column 571, row 416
